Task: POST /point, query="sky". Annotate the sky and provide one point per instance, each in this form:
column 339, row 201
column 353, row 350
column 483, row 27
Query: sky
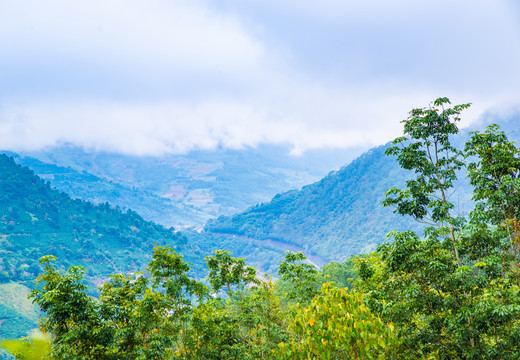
column 168, row 76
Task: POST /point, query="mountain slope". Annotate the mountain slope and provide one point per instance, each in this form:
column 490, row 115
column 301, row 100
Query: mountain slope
column 341, row 214
column 335, row 217
column 85, row 186
column 37, row 220
column 183, row 189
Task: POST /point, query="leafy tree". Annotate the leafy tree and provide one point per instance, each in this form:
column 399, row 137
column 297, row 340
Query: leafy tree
column 249, row 328
column 496, row 180
column 134, row 317
column 162, row 313
column 450, row 295
column 341, row 274
column 337, row 325
column 174, row 291
column 427, row 150
column 249, row 324
column 70, row 313
column 302, row 277
column 229, row 272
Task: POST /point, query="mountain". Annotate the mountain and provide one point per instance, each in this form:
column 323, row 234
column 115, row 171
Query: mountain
column 37, row 220
column 85, row 186
column 333, row 218
column 182, row 189
column 341, row 214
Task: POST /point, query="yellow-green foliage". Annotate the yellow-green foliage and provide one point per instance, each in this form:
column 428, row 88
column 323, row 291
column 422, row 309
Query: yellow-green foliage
column 337, row 325
column 36, row 347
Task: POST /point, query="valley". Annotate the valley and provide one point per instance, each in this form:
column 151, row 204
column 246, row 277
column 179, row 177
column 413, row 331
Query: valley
column 329, row 220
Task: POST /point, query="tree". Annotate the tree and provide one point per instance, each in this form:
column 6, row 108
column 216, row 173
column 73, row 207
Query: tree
column 341, row 274
column 229, row 272
column 451, row 294
column 134, row 318
column 251, row 327
column 495, row 176
column 249, row 324
column 337, row 325
column 70, row 313
column 427, row 150
column 302, row 277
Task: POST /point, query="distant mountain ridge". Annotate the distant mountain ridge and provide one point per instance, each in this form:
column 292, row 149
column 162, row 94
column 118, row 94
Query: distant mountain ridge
column 341, row 214
column 184, row 189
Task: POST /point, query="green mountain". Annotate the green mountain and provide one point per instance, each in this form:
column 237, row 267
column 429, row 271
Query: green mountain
column 85, row 186
column 341, row 214
column 182, row 189
column 37, row 220
column 333, row 218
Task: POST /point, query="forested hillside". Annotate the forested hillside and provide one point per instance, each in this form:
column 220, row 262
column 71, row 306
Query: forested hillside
column 341, row 214
column 335, row 217
column 86, row 186
column 37, row 220
column 182, row 189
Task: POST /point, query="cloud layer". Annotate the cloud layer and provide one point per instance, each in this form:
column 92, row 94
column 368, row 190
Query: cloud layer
column 170, row 76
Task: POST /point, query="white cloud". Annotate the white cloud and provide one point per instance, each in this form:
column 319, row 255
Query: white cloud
column 310, row 118
column 169, row 76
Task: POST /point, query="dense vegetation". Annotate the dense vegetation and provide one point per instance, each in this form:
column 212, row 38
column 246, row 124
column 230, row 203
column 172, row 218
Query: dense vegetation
column 452, row 293
column 86, row 186
column 333, row 218
column 163, row 313
column 266, row 258
column 341, row 215
column 38, row 220
column 181, row 189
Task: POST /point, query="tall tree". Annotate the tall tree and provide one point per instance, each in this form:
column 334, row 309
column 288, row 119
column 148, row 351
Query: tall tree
column 135, row 317
column 495, row 176
column 427, row 150
column 450, row 294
